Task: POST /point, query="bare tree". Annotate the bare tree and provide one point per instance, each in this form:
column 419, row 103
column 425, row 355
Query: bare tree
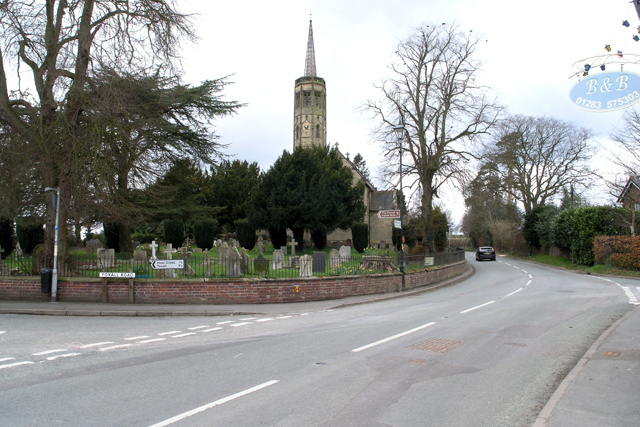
column 62, row 42
column 433, row 92
column 538, row 157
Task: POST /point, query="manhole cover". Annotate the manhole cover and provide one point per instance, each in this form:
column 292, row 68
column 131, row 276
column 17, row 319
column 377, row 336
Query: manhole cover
column 612, row 354
column 436, row 345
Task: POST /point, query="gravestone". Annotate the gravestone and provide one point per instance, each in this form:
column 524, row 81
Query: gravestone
column 95, row 245
column 345, row 253
column 106, row 258
column 207, row 263
column 223, row 252
column 261, row 265
column 294, row 262
column 293, row 244
column 153, row 247
column 260, row 245
column 233, row 243
column 336, row 245
column 233, row 264
column 244, row 261
column 197, row 250
column 383, row 244
column 187, row 270
column 18, row 251
column 319, row 262
column 278, row 259
column 284, row 250
column 306, row 266
column 334, row 259
column 139, row 256
column 169, row 251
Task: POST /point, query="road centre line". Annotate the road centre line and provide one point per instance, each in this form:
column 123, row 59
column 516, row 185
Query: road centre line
column 249, row 318
column 114, row 347
column 44, row 353
column 198, row 327
column 141, row 337
column 515, row 292
column 402, row 334
column 3, row 332
column 528, row 283
column 7, row 358
column 183, row 335
column 169, row 333
column 530, row 276
column 96, row 344
column 212, row 329
column 213, row 404
column 266, row 319
column 283, row 317
column 63, row 355
column 235, row 325
column 13, row 365
column 477, row 307
column 225, row 323
column 152, row 340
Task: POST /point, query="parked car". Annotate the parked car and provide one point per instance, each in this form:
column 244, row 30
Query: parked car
column 485, row 252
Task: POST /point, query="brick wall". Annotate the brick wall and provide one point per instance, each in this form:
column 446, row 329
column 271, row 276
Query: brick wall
column 239, row 291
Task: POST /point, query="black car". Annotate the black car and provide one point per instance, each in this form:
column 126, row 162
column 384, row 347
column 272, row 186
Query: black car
column 485, row 252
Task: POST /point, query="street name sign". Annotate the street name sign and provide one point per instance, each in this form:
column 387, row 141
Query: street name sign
column 118, row 275
column 389, row 214
column 165, row 264
column 396, row 223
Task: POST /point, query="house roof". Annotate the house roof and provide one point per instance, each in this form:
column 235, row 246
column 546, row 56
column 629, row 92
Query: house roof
column 634, row 181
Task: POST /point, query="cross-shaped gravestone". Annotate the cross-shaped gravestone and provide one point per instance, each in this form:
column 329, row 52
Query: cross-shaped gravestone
column 153, row 247
column 293, row 244
column 169, row 251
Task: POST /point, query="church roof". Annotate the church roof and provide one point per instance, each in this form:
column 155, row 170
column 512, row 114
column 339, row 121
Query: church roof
column 310, row 61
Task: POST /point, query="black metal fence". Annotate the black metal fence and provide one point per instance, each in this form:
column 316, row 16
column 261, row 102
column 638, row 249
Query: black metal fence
column 200, row 265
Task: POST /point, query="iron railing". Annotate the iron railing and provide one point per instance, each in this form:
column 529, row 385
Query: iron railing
column 200, row 265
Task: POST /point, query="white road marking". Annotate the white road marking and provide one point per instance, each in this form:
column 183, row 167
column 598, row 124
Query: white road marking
column 249, row 318
column 283, row 317
column 152, row 340
column 525, row 271
column 235, row 325
column 63, row 355
column 506, row 263
column 528, row 283
column 402, row 334
column 3, row 332
column 515, row 292
column 477, row 307
column 169, row 333
column 213, row 404
column 43, row 353
column 212, row 329
column 198, row 327
column 530, row 276
column 183, row 335
column 266, row 319
column 225, row 323
column 7, row 358
column 96, row 344
column 632, row 297
column 13, row 365
column 114, row 347
column 141, row 337
column 305, row 314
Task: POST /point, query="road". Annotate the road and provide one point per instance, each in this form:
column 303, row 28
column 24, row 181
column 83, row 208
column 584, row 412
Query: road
column 488, row 351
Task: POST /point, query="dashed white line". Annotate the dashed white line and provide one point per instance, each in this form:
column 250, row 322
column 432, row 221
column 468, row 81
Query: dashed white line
column 515, row 292
column 525, row 271
column 7, row 358
column 183, row 335
column 169, row 333
column 63, row 356
column 97, row 344
column 152, row 340
column 528, row 283
column 283, row 317
column 3, row 332
column 225, row 323
column 477, row 307
column 266, row 319
column 195, row 328
column 235, row 325
column 141, row 337
column 44, row 353
column 530, row 276
column 213, row 404
column 212, row 329
column 402, row 334
column 13, row 365
column 249, row 318
column 114, row 347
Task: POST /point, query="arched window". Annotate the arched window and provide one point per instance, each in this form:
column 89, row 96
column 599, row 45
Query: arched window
column 297, row 132
column 317, row 131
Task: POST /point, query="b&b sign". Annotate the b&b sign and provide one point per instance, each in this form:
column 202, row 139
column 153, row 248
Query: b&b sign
column 608, row 91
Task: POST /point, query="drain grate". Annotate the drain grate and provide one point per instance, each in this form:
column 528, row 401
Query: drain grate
column 612, row 354
column 437, row 345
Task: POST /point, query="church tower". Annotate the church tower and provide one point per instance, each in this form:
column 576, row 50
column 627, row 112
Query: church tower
column 310, row 104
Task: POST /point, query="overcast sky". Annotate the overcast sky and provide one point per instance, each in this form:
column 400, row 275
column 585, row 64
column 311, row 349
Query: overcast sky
column 528, row 51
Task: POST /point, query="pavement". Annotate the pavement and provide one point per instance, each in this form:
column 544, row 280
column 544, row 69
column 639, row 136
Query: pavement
column 603, row 389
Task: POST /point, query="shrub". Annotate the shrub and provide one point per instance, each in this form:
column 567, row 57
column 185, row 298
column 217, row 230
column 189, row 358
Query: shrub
column 246, row 233
column 6, row 233
column 278, row 237
column 173, row 232
column 360, row 233
column 621, row 251
column 112, row 235
column 30, row 233
column 205, row 233
column 319, row 239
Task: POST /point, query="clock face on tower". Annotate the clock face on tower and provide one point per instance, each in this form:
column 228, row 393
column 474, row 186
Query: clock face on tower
column 306, row 129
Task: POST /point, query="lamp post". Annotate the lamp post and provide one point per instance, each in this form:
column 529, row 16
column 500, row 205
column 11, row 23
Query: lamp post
column 56, row 208
column 399, row 130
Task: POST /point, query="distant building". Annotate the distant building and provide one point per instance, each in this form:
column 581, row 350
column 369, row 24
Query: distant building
column 630, row 196
column 310, row 129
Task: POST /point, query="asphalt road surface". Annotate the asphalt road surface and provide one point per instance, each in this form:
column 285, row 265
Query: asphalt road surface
column 488, row 351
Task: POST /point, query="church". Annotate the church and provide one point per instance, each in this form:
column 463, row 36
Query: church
column 310, row 129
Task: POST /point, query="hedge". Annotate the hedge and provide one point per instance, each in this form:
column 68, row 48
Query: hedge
column 620, row 251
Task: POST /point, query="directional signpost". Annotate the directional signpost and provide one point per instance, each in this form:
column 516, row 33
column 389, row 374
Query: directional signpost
column 389, row 214
column 166, row 264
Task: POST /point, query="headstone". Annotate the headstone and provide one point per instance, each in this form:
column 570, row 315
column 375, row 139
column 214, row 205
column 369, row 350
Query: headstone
column 294, row 262
column 207, row 263
column 336, row 245
column 18, row 251
column 223, row 253
column 348, row 243
column 278, row 259
column 197, row 250
column 233, row 264
column 319, row 262
column 334, row 259
column 233, row 243
column 306, row 266
column 153, row 247
column 106, row 258
column 293, row 244
column 261, row 265
column 383, row 244
column 215, row 243
column 169, row 251
column 260, row 245
column 244, row 261
column 139, row 256
column 90, row 250
column 187, row 270
column 95, row 243
column 284, row 250
column 345, row 253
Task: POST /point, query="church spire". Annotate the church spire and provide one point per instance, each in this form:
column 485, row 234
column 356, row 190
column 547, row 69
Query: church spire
column 310, row 62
